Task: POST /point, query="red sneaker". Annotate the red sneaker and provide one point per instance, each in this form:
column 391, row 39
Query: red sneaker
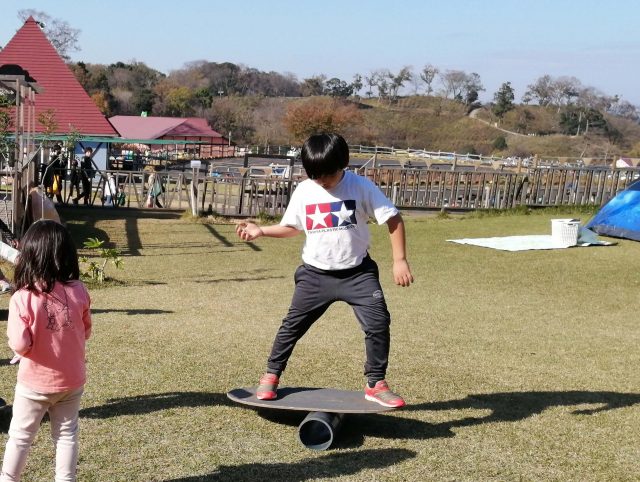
column 267, row 387
column 382, row 394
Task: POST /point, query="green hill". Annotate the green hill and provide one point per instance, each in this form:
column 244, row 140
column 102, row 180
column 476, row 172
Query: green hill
column 434, row 123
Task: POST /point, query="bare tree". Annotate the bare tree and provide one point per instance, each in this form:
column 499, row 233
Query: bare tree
column 453, row 83
column 397, row 81
column 541, row 91
column 356, row 84
column 461, row 86
column 428, row 75
column 624, row 108
column 592, row 98
column 382, row 83
column 62, row 36
column 371, row 81
column 472, row 88
column 565, row 89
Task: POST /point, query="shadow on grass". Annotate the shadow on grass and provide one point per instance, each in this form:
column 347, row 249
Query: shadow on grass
column 133, row 311
column 82, row 213
column 503, row 407
column 228, row 243
column 134, row 243
column 357, row 426
column 81, row 222
column 154, row 402
column 237, row 280
column 326, row 466
column 216, row 234
column 145, row 282
column 514, row 406
column 81, row 232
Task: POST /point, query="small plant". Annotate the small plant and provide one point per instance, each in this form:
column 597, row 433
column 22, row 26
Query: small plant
column 95, row 269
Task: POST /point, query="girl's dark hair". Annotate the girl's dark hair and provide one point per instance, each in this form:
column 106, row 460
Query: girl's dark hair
column 324, row 154
column 47, row 255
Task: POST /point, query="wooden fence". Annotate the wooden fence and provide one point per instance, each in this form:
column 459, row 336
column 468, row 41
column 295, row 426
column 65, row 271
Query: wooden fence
column 407, row 188
column 227, row 196
column 433, row 188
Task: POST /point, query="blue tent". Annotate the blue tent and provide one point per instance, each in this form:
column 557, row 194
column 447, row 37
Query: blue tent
column 620, row 217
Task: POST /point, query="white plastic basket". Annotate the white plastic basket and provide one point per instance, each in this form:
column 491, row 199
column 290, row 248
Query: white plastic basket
column 565, row 231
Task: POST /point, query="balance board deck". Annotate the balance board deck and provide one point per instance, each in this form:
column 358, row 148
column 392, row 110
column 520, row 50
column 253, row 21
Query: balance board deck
column 308, row 399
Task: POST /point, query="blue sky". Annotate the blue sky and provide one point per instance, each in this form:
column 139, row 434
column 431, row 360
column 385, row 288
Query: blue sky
column 518, row 41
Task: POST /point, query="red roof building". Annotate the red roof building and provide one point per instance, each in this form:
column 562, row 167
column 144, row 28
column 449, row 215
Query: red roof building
column 209, row 142
column 74, row 110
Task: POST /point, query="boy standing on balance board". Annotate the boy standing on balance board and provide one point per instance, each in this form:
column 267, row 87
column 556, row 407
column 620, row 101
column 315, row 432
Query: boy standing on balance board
column 332, row 207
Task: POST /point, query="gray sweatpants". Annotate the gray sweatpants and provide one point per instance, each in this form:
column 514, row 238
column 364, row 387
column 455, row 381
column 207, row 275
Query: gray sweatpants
column 315, row 291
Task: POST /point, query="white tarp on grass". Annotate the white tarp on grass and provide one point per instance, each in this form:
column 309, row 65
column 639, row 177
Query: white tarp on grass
column 529, row 242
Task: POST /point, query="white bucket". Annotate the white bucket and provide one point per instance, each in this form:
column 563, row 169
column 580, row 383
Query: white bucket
column 565, row 231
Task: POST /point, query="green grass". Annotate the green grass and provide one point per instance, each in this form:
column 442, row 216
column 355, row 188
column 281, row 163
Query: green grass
column 516, row 366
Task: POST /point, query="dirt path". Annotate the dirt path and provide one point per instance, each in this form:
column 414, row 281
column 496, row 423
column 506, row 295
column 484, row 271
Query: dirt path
column 474, row 115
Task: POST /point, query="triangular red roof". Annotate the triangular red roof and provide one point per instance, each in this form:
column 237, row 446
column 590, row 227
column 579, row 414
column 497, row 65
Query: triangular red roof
column 74, row 109
column 137, row 127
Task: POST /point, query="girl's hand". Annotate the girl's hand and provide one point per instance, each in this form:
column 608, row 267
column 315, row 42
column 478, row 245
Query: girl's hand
column 248, row 231
column 402, row 273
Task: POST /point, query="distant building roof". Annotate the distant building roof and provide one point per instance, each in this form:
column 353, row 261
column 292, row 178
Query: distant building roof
column 74, row 109
column 164, row 127
column 622, row 163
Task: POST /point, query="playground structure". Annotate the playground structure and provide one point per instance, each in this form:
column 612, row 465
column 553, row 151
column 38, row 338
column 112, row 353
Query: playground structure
column 19, row 89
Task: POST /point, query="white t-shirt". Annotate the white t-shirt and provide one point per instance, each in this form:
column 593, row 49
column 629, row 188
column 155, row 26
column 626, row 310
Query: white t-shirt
column 335, row 220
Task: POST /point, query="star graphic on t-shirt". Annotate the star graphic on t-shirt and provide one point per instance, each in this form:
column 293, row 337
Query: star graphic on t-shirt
column 344, row 215
column 318, row 218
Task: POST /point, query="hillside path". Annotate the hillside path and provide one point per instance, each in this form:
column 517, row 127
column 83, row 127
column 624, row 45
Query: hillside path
column 474, row 115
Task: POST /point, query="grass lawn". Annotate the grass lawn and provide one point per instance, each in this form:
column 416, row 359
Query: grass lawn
column 516, row 366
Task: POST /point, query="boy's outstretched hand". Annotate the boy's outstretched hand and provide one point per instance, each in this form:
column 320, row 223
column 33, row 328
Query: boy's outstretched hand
column 402, row 273
column 248, row 231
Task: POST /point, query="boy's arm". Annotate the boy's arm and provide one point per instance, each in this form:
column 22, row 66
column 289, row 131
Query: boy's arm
column 401, row 271
column 251, row 231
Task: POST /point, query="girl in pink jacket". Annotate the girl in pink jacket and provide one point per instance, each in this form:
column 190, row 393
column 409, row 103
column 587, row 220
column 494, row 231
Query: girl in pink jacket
column 49, row 322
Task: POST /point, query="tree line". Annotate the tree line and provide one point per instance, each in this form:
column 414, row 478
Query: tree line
column 235, row 98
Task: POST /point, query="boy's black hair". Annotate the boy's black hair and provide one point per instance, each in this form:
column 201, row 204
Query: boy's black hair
column 324, row 154
column 47, row 255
